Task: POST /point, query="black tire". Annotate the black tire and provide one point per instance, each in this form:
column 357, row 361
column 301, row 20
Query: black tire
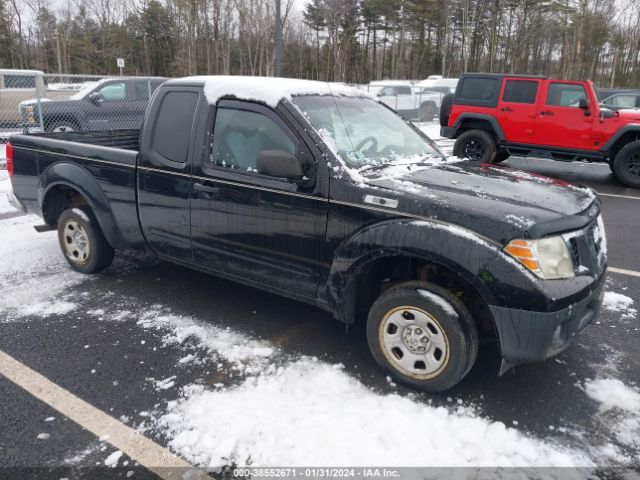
column 449, row 323
column 61, row 125
column 626, row 164
column 77, row 229
column 427, row 112
column 476, row 145
column 501, row 156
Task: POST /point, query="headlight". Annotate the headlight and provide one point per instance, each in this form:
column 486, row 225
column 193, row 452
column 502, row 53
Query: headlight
column 548, row 258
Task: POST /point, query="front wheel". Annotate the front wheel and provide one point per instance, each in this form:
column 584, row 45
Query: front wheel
column 626, row 164
column 62, row 126
column 476, row 145
column 82, row 241
column 423, row 336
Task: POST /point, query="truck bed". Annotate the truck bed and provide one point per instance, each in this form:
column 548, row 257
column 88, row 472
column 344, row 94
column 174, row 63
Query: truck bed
column 124, row 139
column 100, row 165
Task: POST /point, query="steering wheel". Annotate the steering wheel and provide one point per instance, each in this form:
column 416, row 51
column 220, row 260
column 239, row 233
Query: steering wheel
column 370, row 139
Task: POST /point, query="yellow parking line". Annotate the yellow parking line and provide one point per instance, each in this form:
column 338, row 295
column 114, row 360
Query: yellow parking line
column 139, row 448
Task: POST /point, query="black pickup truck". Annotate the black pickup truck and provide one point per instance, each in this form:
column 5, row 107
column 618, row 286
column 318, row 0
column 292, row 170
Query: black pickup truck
column 320, row 193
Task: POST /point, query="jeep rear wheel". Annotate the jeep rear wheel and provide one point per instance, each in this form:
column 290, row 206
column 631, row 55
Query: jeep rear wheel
column 423, row 336
column 476, row 145
column 626, row 164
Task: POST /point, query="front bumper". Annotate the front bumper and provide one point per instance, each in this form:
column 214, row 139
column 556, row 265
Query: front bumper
column 527, row 336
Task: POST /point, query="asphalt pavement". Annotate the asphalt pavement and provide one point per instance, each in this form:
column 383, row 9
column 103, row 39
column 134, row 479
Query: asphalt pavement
column 116, row 365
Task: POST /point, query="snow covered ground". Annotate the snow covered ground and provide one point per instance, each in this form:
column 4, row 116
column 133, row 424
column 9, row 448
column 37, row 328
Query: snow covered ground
column 285, row 410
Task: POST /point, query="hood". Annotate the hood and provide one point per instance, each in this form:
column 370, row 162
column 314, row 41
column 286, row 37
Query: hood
column 629, row 114
column 499, row 202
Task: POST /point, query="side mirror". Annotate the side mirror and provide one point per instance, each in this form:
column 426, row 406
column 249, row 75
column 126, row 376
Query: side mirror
column 281, row 164
column 585, row 104
column 96, row 98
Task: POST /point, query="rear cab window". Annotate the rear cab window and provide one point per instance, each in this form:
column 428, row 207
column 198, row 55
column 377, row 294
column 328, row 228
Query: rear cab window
column 172, row 129
column 19, row 81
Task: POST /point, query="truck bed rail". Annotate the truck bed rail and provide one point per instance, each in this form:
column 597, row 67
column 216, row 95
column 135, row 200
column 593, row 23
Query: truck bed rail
column 124, row 139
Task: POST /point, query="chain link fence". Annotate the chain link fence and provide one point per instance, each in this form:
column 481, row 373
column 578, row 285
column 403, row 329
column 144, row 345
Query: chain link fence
column 31, row 101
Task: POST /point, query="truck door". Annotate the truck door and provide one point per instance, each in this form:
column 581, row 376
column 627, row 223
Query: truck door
column 517, row 109
column 164, row 177
column 561, row 122
column 251, row 226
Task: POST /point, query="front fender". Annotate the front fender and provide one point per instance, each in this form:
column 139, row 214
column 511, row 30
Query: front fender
column 74, row 176
column 478, row 260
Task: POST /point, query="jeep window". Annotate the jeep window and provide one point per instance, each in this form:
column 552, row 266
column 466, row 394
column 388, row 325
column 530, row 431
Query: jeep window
column 19, row 81
column 478, row 88
column 520, row 91
column 362, row 132
column 239, row 135
column 565, row 94
column 172, row 130
column 113, row 92
column 404, row 90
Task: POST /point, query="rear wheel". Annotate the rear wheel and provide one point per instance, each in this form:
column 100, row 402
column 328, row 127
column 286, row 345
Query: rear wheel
column 422, row 335
column 61, row 126
column 476, row 145
column 626, row 164
column 82, row 241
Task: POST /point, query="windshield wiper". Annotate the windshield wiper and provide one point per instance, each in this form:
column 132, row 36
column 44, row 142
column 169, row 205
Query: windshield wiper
column 381, row 166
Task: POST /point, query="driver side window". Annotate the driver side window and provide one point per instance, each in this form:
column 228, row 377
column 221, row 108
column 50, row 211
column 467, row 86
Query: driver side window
column 565, row 95
column 113, row 92
column 240, row 135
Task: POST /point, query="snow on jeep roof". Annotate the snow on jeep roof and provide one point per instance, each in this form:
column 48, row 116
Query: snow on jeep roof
column 269, row 90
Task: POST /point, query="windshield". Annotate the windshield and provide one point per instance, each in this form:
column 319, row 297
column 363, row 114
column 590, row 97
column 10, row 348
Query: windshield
column 364, row 133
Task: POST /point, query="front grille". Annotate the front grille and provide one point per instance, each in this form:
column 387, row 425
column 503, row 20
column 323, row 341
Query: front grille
column 588, row 248
column 573, row 249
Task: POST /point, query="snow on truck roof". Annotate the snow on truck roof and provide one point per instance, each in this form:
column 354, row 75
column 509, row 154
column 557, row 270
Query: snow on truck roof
column 269, row 90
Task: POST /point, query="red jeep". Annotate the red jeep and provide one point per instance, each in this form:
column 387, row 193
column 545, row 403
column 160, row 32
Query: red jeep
column 494, row 116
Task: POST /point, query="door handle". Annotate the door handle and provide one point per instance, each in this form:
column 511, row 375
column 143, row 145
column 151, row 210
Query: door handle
column 206, row 189
column 506, row 109
column 546, row 112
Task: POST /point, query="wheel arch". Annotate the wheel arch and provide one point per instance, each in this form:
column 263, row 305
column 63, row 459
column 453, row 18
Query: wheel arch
column 365, row 266
column 52, row 118
column 478, row 121
column 625, row 135
column 65, row 185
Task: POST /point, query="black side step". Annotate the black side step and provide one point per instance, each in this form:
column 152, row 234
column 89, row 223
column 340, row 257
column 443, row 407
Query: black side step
column 45, row 228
